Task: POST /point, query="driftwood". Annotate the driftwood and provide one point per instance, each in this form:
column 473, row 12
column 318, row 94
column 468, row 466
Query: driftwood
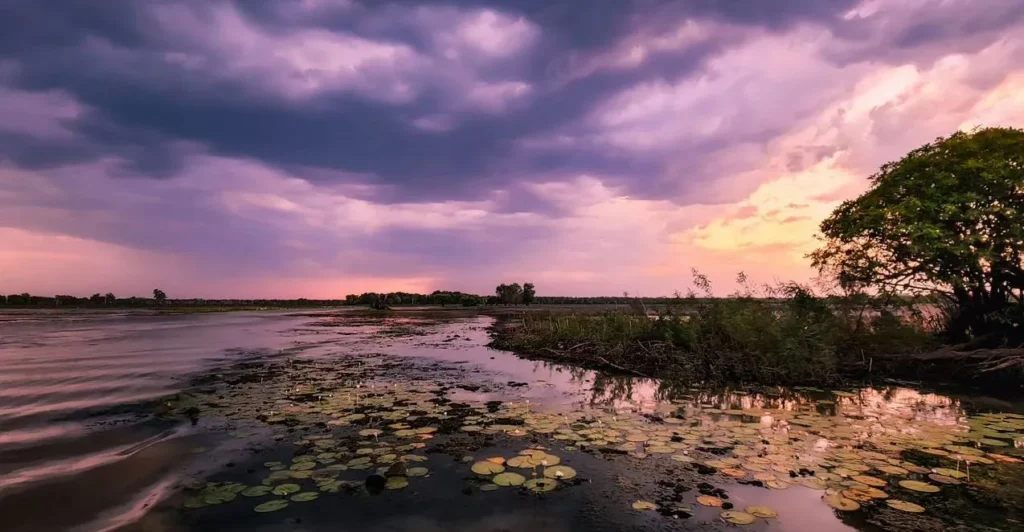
column 564, row 355
column 1003, row 365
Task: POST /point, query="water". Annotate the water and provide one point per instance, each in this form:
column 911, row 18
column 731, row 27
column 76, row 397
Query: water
column 78, row 393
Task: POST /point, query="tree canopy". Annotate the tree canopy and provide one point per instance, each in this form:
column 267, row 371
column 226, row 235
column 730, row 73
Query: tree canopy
column 948, row 218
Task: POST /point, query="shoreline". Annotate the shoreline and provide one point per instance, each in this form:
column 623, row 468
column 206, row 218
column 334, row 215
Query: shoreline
column 997, row 371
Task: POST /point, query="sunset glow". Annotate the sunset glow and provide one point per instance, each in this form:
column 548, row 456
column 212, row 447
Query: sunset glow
column 320, row 148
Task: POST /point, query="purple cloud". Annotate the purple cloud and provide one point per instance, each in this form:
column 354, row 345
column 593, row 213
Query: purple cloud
column 347, row 144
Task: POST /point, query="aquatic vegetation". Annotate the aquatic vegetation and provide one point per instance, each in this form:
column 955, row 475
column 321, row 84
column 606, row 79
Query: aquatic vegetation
column 789, row 336
column 509, row 479
column 905, row 506
column 271, row 506
column 487, row 468
column 761, row 511
column 737, row 518
column 644, row 505
column 859, row 451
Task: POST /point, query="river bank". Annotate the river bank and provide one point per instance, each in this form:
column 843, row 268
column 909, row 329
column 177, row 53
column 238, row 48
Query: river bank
column 675, row 350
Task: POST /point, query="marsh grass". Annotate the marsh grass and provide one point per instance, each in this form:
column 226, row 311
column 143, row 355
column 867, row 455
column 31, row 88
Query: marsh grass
column 779, row 335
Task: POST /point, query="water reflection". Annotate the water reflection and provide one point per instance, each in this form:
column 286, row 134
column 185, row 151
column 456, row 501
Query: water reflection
column 626, row 393
column 58, row 435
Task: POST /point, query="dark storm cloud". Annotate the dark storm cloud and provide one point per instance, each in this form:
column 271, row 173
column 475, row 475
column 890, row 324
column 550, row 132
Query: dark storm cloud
column 145, row 102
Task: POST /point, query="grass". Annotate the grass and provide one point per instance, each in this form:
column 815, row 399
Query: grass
column 791, row 337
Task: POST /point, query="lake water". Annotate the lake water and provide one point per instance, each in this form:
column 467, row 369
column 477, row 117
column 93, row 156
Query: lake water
column 119, row 421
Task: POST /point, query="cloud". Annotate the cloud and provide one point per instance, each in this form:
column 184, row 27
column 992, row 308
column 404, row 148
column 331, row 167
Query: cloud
column 40, row 115
column 330, row 146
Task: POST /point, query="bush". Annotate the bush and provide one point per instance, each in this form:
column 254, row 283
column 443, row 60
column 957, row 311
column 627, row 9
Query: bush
column 785, row 334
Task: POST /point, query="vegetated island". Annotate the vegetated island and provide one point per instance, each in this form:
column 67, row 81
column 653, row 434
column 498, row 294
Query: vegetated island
column 921, row 277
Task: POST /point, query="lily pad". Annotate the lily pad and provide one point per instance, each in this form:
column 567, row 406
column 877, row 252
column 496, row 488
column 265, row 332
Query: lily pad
column 509, row 479
column 708, row 500
column 417, row 472
column 487, row 468
column 942, row 479
column 271, row 506
column 870, row 481
column 737, row 518
column 559, row 472
column 951, row 473
column 303, row 466
column 286, row 489
column 524, row 462
column 330, row 486
column 305, row 496
column 813, row 483
column 905, row 506
column 644, row 505
column 540, row 485
column 841, row 503
column 919, row 486
column 396, row 483
column 761, row 511
column 256, row 491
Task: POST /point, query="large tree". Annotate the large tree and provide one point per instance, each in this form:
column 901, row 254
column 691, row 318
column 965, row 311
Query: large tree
column 946, row 219
column 529, row 293
column 509, row 293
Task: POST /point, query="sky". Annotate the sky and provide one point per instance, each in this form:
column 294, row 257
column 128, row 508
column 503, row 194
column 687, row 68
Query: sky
column 315, row 148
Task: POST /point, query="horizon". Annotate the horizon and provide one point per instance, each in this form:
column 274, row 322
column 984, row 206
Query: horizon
column 319, row 148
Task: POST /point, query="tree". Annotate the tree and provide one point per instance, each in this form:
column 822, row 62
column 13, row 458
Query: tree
column 159, row 296
column 109, row 298
column 947, row 219
column 509, row 294
column 96, row 299
column 379, row 301
column 529, row 293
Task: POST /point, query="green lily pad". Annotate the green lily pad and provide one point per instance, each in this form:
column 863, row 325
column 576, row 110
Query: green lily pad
column 286, row 489
column 509, row 479
column 559, row 472
column 271, row 506
column 256, row 491
column 396, row 483
column 540, row 485
column 487, row 468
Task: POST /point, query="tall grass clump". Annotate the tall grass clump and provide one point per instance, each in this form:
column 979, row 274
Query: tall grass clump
column 778, row 334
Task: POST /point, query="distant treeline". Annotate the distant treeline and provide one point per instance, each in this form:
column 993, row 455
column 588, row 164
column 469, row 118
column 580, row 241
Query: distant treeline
column 509, row 296
column 109, row 301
